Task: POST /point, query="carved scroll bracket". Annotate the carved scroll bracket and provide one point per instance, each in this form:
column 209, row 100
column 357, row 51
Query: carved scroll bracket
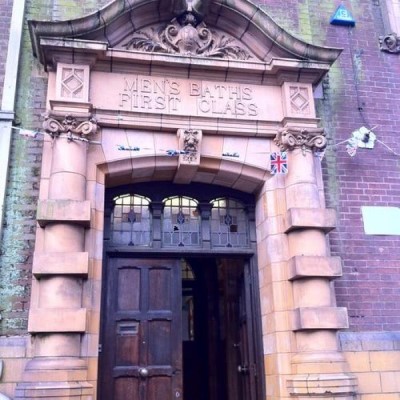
column 308, row 139
column 69, row 127
column 390, row 43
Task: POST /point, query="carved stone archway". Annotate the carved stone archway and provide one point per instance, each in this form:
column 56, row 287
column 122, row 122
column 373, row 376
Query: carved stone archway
column 183, row 97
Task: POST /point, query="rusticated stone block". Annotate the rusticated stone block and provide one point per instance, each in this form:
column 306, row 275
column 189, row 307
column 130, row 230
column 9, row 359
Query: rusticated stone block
column 341, row 385
column 306, row 318
column 317, row 218
column 60, row 263
column 314, row 266
column 57, row 320
column 73, row 211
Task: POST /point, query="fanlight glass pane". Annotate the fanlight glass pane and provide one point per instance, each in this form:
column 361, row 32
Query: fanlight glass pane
column 131, row 221
column 181, row 222
column 228, row 224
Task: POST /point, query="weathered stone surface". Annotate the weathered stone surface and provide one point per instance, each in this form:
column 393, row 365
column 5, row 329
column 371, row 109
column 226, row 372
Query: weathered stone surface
column 60, row 263
column 320, row 318
column 316, row 218
column 71, row 211
column 57, row 320
column 313, row 266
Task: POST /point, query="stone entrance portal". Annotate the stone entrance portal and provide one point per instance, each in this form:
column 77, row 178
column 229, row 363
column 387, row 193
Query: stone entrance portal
column 144, row 91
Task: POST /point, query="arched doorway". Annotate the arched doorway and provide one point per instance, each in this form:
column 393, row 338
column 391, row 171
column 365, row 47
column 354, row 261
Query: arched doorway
column 180, row 314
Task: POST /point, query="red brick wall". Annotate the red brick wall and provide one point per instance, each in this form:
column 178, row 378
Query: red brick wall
column 364, row 77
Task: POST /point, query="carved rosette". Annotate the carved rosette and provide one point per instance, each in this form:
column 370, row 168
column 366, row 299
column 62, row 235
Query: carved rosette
column 308, row 139
column 69, row 126
column 390, row 43
column 189, row 140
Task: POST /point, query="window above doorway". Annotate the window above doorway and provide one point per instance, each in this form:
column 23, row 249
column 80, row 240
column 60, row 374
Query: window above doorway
column 178, row 221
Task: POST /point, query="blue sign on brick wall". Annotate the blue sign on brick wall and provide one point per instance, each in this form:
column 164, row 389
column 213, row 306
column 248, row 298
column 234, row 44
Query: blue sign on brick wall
column 343, row 17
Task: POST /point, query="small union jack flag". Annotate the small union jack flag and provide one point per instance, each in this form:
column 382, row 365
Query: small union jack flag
column 279, row 163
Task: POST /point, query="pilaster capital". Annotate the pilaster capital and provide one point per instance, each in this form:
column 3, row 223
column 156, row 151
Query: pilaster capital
column 308, row 139
column 73, row 127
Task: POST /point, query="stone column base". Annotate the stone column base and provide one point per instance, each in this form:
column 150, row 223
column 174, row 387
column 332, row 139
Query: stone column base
column 323, row 386
column 54, row 391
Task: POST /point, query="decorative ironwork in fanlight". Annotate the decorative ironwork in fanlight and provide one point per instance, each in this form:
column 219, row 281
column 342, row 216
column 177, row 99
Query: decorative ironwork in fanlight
column 186, row 35
column 181, row 222
column 131, row 221
column 228, row 224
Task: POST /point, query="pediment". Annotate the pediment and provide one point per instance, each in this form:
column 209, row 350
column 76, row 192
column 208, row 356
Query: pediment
column 222, row 30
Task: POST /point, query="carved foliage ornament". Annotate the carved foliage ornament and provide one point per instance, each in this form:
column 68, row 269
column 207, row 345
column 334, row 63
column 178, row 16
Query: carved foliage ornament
column 390, row 43
column 69, row 126
column 311, row 139
column 186, row 36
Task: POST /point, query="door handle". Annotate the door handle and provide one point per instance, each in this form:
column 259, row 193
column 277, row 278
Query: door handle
column 143, row 372
column 243, row 369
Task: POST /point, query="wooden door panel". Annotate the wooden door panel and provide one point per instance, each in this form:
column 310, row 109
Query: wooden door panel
column 127, row 387
column 159, row 388
column 127, row 349
column 128, row 289
column 142, row 356
column 160, row 342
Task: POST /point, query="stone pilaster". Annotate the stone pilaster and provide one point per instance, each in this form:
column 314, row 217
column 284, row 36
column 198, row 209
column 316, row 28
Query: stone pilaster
column 57, row 318
column 319, row 369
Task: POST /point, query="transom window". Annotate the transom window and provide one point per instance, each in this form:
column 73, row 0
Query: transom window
column 178, row 221
column 131, row 220
column 181, row 222
column 228, row 223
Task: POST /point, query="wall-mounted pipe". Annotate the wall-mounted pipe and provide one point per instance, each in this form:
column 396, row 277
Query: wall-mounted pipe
column 8, row 99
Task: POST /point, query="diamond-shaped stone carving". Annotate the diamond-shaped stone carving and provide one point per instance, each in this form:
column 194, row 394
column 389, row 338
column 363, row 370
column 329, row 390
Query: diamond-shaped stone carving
column 299, row 100
column 72, row 82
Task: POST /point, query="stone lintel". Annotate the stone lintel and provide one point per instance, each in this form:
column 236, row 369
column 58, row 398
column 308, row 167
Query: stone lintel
column 71, row 211
column 311, row 318
column 57, row 320
column 314, row 266
column 342, row 384
column 314, row 218
column 60, row 263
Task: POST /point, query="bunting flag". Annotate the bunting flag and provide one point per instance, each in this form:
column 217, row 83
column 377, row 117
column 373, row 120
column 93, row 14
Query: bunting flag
column 279, row 163
column 26, row 132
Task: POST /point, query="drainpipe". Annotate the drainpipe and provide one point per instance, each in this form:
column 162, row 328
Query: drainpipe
column 8, row 100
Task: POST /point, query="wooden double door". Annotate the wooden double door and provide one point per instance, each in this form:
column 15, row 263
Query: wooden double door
column 170, row 337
